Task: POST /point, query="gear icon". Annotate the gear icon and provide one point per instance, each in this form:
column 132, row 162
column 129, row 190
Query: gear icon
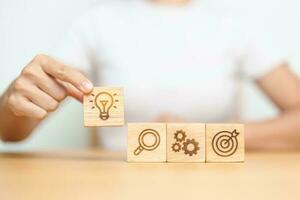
column 191, row 151
column 179, row 136
column 176, row 147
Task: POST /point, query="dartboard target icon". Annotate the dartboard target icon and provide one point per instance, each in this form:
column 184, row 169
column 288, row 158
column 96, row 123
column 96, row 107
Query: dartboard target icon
column 225, row 143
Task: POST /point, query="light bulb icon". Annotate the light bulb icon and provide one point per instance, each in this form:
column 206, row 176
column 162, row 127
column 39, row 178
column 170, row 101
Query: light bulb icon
column 104, row 101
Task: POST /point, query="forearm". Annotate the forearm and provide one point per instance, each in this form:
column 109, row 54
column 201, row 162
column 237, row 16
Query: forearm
column 282, row 132
column 13, row 128
column 35, row 93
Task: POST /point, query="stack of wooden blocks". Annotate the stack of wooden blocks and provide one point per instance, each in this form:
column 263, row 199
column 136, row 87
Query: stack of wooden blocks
column 161, row 142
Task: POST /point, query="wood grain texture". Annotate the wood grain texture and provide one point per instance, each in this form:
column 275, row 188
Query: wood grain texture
column 146, row 142
column 225, row 143
column 104, row 106
column 186, row 142
column 95, row 174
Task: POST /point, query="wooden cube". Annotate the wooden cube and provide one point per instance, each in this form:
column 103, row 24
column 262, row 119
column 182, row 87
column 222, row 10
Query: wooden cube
column 186, row 142
column 146, row 142
column 225, row 143
column 104, row 106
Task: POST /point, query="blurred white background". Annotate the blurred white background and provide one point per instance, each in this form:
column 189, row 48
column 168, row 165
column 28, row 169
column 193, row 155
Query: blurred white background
column 28, row 27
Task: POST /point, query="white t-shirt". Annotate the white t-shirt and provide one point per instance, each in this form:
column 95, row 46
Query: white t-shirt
column 178, row 59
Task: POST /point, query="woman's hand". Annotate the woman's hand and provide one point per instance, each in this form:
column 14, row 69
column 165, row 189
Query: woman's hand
column 42, row 85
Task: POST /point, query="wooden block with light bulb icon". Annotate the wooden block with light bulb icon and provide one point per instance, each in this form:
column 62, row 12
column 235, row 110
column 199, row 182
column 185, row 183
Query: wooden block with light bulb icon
column 146, row 142
column 186, row 142
column 104, row 106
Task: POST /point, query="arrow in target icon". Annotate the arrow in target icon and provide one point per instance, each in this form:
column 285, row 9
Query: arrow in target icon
column 235, row 133
column 225, row 143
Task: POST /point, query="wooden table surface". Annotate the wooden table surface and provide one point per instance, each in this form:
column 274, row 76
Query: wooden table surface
column 95, row 174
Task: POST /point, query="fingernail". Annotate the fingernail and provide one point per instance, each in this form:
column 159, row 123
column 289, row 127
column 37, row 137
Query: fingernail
column 87, row 86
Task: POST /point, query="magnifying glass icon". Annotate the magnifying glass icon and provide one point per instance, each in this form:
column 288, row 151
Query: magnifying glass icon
column 143, row 145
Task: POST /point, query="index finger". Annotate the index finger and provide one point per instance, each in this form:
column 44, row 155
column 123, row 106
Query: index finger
column 67, row 74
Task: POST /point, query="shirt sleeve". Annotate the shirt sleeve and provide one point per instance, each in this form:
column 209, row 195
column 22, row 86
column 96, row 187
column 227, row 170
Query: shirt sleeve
column 260, row 51
column 259, row 59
